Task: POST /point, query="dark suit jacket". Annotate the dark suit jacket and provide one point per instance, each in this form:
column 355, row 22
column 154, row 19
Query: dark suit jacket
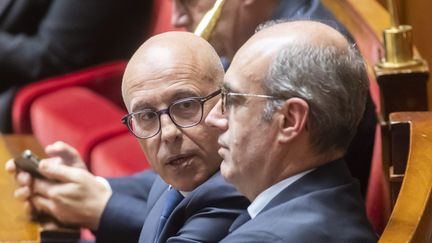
column 126, row 211
column 44, row 38
column 40, row 38
column 323, row 206
column 359, row 154
column 204, row 215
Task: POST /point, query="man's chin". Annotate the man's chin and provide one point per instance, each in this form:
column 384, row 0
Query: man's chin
column 225, row 171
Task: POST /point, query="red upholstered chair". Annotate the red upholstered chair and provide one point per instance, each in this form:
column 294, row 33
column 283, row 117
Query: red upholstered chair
column 118, row 156
column 104, row 79
column 77, row 116
column 90, row 123
column 84, row 109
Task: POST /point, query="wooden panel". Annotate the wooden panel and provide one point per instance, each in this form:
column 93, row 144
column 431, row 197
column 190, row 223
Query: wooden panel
column 403, row 92
column 417, row 14
column 366, row 21
column 411, row 219
column 15, row 224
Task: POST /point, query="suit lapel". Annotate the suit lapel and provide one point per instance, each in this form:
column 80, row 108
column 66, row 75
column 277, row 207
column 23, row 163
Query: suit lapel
column 329, row 175
column 158, row 188
column 240, row 220
column 183, row 210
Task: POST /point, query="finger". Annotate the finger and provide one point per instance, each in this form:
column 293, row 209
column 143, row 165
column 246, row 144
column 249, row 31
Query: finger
column 42, row 204
column 22, row 193
column 61, row 172
column 63, row 150
column 53, row 160
column 24, row 178
column 67, row 153
column 45, row 188
column 10, row 166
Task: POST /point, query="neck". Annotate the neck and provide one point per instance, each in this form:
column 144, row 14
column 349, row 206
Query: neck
column 289, row 161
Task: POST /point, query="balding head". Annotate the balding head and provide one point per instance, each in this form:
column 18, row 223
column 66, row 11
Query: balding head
column 172, row 51
column 168, row 87
column 313, row 61
column 271, row 39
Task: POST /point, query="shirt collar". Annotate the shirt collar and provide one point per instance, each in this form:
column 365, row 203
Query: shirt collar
column 267, row 195
column 184, row 194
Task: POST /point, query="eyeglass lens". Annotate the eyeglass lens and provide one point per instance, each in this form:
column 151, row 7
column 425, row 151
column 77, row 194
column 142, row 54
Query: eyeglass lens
column 184, row 113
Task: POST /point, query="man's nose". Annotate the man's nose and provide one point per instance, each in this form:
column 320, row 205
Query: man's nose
column 180, row 17
column 215, row 118
column 169, row 131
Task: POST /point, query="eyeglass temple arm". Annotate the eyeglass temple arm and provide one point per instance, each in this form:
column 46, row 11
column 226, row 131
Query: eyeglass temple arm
column 208, row 22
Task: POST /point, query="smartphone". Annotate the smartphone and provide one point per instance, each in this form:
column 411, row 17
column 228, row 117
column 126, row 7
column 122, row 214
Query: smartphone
column 29, row 162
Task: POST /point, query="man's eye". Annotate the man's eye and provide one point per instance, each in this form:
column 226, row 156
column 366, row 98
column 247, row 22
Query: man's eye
column 230, row 101
column 147, row 116
column 186, row 105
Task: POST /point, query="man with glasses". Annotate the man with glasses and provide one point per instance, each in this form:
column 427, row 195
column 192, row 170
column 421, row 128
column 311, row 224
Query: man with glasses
column 168, row 88
column 237, row 23
column 291, row 102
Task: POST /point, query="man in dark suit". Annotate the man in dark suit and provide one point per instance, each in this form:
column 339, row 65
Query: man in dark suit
column 237, row 23
column 43, row 38
column 291, row 102
column 168, row 87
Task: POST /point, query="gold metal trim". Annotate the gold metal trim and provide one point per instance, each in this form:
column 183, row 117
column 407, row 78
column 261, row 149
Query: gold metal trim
column 208, row 22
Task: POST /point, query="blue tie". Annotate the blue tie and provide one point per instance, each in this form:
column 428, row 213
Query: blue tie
column 173, row 198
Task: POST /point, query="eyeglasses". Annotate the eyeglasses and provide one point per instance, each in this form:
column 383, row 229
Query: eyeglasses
column 184, row 113
column 225, row 94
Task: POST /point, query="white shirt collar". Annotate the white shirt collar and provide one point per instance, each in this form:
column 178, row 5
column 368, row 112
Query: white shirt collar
column 268, row 194
column 184, row 194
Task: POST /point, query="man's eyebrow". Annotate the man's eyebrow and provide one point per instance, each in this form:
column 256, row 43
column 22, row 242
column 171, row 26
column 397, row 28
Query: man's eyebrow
column 142, row 105
column 183, row 94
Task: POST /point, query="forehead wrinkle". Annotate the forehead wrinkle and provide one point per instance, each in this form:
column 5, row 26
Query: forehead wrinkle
column 157, row 77
column 184, row 89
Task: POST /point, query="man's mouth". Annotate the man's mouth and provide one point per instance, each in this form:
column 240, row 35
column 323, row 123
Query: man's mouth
column 222, row 144
column 179, row 161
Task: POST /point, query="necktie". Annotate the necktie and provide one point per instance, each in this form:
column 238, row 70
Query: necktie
column 173, row 198
column 239, row 221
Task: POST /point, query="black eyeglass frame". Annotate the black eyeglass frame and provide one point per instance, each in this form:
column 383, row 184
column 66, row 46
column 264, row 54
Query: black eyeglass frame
column 126, row 120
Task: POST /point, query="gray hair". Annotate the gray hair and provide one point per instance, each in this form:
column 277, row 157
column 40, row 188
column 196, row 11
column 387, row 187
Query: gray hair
column 334, row 83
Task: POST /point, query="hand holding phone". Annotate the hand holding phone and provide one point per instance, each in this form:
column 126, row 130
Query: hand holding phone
column 29, row 162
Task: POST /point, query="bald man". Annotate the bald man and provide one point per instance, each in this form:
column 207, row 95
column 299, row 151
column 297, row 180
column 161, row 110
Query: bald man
column 168, row 87
column 238, row 22
column 291, row 103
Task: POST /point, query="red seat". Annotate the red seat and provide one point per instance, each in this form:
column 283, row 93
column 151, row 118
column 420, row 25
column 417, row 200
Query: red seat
column 118, row 156
column 56, row 109
column 104, row 79
column 77, row 116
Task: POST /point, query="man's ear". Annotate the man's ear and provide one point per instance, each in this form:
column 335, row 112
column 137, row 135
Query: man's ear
column 292, row 119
